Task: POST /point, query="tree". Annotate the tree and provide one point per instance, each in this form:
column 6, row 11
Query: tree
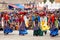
column 45, row 1
column 51, row 1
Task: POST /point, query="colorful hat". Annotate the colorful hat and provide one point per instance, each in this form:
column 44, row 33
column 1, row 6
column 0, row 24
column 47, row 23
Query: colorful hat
column 22, row 13
column 36, row 12
column 42, row 14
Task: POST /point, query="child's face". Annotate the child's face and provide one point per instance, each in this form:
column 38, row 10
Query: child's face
column 36, row 14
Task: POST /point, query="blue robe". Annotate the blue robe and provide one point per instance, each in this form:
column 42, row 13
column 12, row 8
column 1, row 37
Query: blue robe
column 22, row 29
column 7, row 30
column 53, row 30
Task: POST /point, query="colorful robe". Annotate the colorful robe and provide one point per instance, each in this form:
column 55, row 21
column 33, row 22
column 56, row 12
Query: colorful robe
column 44, row 25
column 22, row 28
column 7, row 29
column 53, row 29
column 37, row 30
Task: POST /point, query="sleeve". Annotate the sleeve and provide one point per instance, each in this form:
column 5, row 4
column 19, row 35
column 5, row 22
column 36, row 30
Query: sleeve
column 38, row 18
column 45, row 20
column 25, row 18
column 33, row 18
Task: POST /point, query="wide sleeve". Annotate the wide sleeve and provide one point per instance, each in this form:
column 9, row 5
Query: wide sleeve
column 25, row 18
column 38, row 18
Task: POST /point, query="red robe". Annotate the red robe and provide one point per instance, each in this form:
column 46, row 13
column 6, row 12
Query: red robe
column 52, row 18
column 6, row 17
column 21, row 19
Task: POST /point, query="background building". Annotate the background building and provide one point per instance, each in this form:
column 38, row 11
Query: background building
column 25, row 1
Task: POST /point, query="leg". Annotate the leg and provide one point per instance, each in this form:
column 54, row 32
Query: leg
column 45, row 32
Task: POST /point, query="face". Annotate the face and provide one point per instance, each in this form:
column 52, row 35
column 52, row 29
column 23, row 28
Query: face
column 36, row 14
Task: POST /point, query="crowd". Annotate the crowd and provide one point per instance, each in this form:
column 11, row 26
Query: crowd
column 39, row 22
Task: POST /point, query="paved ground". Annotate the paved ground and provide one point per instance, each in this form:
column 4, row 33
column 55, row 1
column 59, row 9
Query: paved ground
column 29, row 36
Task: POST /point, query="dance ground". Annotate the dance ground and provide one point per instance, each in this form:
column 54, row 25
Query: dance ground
column 29, row 36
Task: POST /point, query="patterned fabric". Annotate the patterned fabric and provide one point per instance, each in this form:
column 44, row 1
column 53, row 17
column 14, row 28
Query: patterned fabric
column 53, row 30
column 7, row 29
column 22, row 26
column 37, row 30
column 22, row 29
column 33, row 18
column 44, row 25
column 36, row 19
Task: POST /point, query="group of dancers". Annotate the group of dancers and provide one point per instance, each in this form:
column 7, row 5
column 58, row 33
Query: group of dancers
column 41, row 22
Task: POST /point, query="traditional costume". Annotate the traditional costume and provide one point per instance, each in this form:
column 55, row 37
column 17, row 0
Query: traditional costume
column 22, row 28
column 26, row 21
column 7, row 29
column 53, row 28
column 56, row 23
column 37, row 31
column 43, row 22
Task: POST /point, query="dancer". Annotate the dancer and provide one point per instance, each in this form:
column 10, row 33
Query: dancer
column 36, row 22
column 53, row 29
column 44, row 26
column 7, row 25
column 22, row 28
